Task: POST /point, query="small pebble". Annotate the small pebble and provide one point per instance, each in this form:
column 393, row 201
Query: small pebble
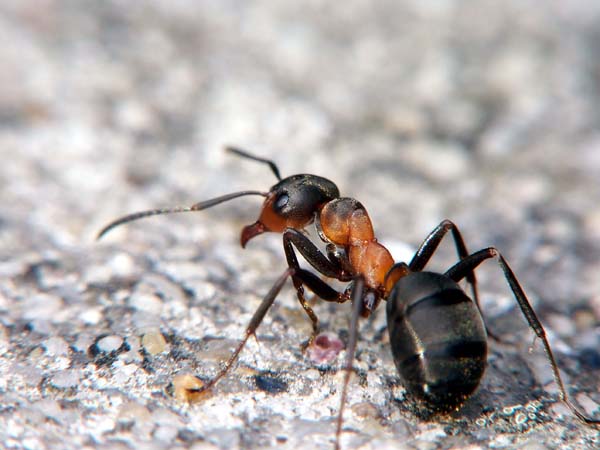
column 122, row 265
column 66, row 379
column 185, row 386
column 165, row 433
column 56, row 346
column 110, row 343
column 91, row 316
column 154, row 342
column 312, row 374
column 146, row 302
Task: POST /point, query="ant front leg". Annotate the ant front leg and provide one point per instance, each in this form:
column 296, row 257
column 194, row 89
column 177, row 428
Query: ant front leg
column 294, row 238
column 330, row 267
column 339, row 256
column 256, row 320
column 467, row 265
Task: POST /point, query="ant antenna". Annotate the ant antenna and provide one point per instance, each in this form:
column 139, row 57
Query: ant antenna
column 245, row 154
column 178, row 209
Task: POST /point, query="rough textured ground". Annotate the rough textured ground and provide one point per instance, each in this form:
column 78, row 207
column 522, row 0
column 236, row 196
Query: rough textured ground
column 483, row 112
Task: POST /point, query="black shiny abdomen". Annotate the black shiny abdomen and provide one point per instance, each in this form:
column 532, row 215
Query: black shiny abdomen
column 438, row 339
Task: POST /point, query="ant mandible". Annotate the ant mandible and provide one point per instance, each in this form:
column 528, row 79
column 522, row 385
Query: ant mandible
column 437, row 333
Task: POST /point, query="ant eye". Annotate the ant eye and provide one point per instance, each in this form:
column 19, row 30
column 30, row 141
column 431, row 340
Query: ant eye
column 281, row 201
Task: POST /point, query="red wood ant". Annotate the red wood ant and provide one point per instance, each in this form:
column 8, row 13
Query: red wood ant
column 437, row 333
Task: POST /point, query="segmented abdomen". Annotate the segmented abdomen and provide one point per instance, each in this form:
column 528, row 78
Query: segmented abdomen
column 438, row 339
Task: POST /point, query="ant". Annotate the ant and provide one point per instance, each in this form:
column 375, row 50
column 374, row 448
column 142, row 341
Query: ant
column 437, row 333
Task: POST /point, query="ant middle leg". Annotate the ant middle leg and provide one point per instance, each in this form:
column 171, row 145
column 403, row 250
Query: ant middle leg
column 468, row 264
column 294, row 238
column 357, row 300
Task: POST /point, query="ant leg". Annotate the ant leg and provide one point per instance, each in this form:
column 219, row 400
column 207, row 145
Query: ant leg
column 316, row 259
column 357, row 294
column 257, row 318
column 430, row 245
column 320, row 288
column 467, row 265
column 328, row 266
column 244, row 154
column 338, row 256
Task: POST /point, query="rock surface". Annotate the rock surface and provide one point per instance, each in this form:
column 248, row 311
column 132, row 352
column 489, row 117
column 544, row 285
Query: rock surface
column 483, row 112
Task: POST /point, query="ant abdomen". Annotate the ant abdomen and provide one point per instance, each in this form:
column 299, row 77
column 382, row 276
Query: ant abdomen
column 438, row 339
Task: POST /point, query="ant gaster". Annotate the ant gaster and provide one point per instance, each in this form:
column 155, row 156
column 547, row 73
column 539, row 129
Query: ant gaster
column 437, row 333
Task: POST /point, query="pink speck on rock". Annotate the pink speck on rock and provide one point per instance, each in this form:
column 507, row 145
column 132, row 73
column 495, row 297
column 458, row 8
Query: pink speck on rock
column 325, row 348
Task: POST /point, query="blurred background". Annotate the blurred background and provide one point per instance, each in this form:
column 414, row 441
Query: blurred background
column 482, row 112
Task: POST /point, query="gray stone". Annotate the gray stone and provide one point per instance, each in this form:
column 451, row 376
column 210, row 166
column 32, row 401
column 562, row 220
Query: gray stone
column 109, row 343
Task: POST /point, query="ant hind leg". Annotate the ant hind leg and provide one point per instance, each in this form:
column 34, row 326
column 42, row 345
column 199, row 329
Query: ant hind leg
column 429, row 247
column 467, row 265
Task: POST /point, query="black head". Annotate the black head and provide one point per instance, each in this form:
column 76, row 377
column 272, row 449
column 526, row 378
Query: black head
column 292, row 203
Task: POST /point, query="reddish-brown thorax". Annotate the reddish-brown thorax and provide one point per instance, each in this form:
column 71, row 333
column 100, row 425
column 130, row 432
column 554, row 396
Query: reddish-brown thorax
column 345, row 223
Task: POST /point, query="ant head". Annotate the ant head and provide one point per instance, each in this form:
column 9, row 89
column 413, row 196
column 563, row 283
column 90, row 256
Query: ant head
column 291, row 203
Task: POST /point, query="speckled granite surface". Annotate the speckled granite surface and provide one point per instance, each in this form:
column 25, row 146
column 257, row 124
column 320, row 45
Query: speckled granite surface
column 482, row 112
